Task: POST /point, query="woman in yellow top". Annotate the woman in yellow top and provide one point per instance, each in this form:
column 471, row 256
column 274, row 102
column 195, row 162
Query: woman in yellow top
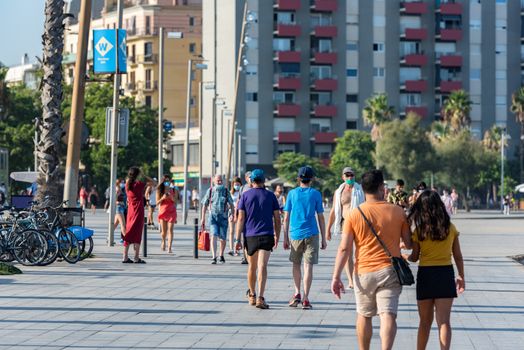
column 435, row 239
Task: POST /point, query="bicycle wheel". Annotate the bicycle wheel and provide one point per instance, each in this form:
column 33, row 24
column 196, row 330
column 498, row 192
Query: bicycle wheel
column 69, row 248
column 86, row 248
column 29, row 247
column 52, row 248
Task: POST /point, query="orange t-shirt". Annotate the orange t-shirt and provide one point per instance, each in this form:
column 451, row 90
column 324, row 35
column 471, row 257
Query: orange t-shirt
column 389, row 221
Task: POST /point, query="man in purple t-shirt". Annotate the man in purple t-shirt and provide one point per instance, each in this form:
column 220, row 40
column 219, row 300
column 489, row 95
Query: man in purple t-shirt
column 258, row 209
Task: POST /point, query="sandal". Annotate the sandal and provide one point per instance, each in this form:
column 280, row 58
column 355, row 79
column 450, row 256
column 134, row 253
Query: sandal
column 139, row 261
column 127, row 261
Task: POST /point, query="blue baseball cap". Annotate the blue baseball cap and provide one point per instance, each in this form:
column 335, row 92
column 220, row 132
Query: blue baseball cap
column 257, row 175
column 306, row 172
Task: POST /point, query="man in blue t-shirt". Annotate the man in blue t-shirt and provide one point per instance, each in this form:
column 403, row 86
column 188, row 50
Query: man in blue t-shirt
column 258, row 209
column 301, row 233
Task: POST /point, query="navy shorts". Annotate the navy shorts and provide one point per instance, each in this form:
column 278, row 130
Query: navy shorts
column 218, row 226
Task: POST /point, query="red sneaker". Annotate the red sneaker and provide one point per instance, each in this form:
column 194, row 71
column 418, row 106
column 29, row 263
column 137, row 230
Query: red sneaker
column 306, row 305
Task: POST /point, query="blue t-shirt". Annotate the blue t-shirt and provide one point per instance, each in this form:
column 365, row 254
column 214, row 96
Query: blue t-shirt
column 303, row 203
column 259, row 205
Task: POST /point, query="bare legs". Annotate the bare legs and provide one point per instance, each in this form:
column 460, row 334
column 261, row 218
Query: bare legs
column 257, row 267
column 308, row 278
column 169, row 237
column 388, row 330
column 442, row 310
column 119, row 219
column 163, row 234
column 213, row 246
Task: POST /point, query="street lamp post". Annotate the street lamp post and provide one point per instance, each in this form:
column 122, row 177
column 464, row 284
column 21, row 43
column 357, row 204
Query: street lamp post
column 161, row 106
column 186, row 142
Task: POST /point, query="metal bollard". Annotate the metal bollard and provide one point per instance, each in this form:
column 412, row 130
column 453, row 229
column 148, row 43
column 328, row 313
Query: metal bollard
column 144, row 242
column 195, row 240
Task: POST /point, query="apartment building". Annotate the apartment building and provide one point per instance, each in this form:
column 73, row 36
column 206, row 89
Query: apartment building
column 292, row 87
column 142, row 20
column 308, row 66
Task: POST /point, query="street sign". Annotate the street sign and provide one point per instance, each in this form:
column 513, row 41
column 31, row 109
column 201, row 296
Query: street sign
column 123, row 126
column 109, row 51
column 168, row 126
column 122, row 52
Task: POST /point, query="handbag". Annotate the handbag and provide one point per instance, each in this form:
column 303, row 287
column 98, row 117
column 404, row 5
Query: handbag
column 203, row 241
column 401, row 266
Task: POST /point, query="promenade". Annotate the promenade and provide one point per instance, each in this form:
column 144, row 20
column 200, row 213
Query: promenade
column 177, row 302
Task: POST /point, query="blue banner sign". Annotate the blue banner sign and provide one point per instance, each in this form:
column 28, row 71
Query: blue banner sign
column 109, row 51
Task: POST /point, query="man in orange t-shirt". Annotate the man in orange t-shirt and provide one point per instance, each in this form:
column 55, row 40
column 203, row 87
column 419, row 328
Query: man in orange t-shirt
column 377, row 288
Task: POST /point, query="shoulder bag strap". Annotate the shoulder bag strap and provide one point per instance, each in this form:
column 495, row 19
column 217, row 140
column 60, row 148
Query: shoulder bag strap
column 374, row 232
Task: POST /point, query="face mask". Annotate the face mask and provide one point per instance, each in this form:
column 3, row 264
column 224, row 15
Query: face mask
column 166, row 183
column 237, row 187
column 122, row 185
column 350, row 182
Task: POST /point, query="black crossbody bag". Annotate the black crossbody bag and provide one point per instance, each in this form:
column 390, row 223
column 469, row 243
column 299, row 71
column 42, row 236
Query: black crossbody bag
column 401, row 266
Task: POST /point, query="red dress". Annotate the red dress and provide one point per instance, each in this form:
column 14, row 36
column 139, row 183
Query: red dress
column 167, row 210
column 135, row 213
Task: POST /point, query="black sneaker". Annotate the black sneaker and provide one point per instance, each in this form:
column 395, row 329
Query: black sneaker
column 244, row 261
column 222, row 260
column 214, row 261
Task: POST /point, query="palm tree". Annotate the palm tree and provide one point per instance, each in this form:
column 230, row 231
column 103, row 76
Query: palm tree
column 439, row 131
column 492, row 138
column 377, row 112
column 50, row 129
column 456, row 110
column 517, row 107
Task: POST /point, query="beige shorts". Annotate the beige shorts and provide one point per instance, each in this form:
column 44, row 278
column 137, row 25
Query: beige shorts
column 377, row 292
column 306, row 249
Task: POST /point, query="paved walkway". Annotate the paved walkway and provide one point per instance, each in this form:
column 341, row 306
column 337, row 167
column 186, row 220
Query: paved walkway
column 176, row 302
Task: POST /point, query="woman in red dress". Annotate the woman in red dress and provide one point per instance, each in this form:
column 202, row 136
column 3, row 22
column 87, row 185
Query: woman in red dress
column 135, row 214
column 167, row 200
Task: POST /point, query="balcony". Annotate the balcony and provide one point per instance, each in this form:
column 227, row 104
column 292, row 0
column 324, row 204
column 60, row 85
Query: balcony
column 447, row 86
column 325, row 31
column 147, row 59
column 414, row 59
column 454, row 34
column 415, row 34
column 131, row 86
column 287, row 5
column 288, row 30
column 287, row 110
column 327, row 84
column 324, row 5
column 324, row 58
column 132, row 60
column 287, row 83
column 324, row 111
column 413, row 8
column 450, row 61
column 325, row 137
column 289, row 137
column 450, row 8
column 414, row 85
column 287, row 56
column 421, row 111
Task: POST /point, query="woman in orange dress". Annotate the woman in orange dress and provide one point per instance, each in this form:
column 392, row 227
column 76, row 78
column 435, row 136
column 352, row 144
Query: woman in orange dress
column 135, row 214
column 166, row 200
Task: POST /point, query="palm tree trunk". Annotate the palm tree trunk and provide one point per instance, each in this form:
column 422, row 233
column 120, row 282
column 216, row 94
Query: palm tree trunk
column 48, row 148
column 521, row 151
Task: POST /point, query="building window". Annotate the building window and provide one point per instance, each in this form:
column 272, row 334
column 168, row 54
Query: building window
column 379, row 72
column 148, row 25
column 320, row 72
column 352, row 46
column 351, row 125
column 352, row 72
column 500, row 100
column 148, row 51
column 284, row 17
column 378, row 47
column 500, row 74
column 352, row 98
column 192, row 47
column 322, row 151
column 252, row 96
column 283, row 97
column 320, row 125
column 283, row 44
column 321, row 98
column 286, row 147
column 148, row 101
column 193, row 154
column 178, row 155
column 379, row 21
column 191, row 21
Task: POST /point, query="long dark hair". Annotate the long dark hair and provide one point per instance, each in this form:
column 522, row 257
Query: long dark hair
column 132, row 175
column 429, row 216
column 161, row 188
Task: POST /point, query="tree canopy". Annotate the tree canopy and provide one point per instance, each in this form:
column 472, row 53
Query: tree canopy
column 354, row 149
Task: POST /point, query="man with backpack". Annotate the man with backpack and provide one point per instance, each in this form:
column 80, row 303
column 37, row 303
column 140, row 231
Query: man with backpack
column 218, row 200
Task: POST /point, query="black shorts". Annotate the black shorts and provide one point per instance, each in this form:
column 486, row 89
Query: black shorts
column 436, row 282
column 256, row 243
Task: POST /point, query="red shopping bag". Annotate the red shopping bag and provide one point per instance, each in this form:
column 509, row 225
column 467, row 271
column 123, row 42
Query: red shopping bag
column 203, row 241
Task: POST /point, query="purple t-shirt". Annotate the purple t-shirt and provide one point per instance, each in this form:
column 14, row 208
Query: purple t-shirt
column 259, row 205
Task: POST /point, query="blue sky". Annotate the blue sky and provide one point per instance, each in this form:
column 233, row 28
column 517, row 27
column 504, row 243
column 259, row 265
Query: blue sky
column 21, row 28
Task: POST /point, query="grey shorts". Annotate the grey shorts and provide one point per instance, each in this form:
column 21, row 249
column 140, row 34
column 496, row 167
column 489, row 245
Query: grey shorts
column 306, row 249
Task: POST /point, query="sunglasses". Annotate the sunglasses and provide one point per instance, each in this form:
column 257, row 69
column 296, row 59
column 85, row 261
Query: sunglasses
column 349, row 175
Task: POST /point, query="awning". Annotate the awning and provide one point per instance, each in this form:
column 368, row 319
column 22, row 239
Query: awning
column 24, row 176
